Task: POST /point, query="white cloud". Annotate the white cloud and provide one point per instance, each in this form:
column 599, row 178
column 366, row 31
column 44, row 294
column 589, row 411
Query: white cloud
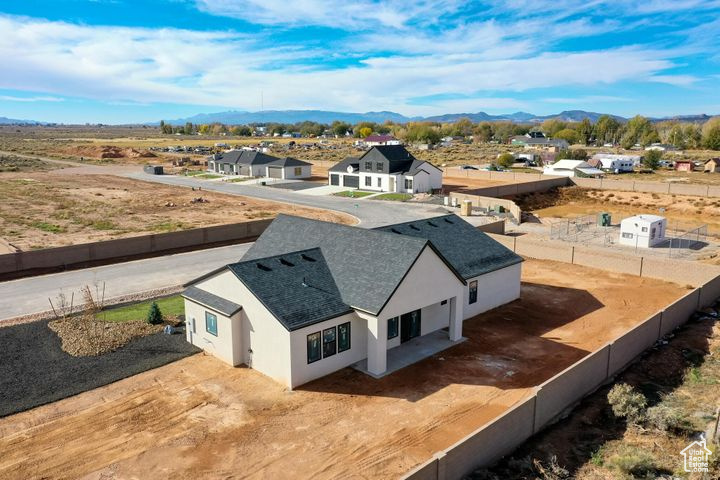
column 229, row 69
column 677, row 80
column 587, row 99
column 11, row 98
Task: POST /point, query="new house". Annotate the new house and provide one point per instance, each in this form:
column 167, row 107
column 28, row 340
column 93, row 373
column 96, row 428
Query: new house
column 386, row 168
column 376, row 140
column 313, row 297
column 250, row 163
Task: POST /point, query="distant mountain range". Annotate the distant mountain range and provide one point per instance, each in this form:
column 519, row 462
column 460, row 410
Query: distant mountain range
column 234, row 117
column 15, row 121
column 321, row 116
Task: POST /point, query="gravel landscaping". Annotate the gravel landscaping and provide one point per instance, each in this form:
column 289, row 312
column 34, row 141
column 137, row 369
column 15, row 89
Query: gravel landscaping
column 34, row 370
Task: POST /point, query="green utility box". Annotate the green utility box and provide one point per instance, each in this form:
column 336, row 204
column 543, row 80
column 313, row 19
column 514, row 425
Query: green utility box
column 604, row 219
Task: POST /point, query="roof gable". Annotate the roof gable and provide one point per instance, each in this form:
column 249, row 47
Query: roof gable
column 297, row 288
column 469, row 251
column 367, row 265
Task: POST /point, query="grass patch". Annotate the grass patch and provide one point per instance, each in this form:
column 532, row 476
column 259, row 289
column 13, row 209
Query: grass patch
column 353, row 194
column 207, row 176
column 169, row 226
column 395, row 197
column 48, row 227
column 103, row 225
column 194, row 173
column 138, row 311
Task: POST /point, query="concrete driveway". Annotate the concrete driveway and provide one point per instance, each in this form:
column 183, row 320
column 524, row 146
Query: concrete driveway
column 371, row 214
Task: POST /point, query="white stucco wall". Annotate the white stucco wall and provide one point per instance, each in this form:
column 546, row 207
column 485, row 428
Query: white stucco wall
column 302, row 372
column 289, row 172
column 228, row 333
column 374, row 176
column 494, row 289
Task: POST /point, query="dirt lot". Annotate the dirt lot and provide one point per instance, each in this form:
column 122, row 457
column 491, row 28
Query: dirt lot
column 200, row 418
column 685, row 211
column 468, row 185
column 71, row 206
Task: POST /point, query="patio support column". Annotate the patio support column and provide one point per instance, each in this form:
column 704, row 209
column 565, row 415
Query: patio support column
column 456, row 320
column 377, row 345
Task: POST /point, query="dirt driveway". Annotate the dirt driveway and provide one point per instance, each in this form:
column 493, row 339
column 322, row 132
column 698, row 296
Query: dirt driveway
column 198, row 418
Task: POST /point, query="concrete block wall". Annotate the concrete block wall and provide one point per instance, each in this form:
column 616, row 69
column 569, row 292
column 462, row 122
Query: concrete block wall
column 676, row 314
column 631, row 344
column 498, row 227
column 590, row 257
column 709, row 292
column 49, row 258
column 570, row 385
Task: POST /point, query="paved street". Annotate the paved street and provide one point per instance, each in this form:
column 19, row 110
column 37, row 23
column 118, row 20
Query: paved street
column 30, row 295
column 371, row 213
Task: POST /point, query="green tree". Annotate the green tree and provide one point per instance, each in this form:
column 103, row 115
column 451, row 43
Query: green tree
column 463, row 127
column 506, row 160
column 483, row 132
column 585, row 129
column 241, row 131
column 504, row 130
column 711, row 134
column 154, row 316
column 568, row 134
column 166, row 128
column 189, row 128
column 570, row 154
column 422, row 132
column 606, row 130
column 365, row 132
column 639, row 130
column 652, row 158
column 552, row 126
column 340, row 128
column 360, row 125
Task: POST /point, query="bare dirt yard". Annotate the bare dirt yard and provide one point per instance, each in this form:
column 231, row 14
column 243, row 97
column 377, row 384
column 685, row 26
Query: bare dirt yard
column 71, row 206
column 685, row 211
column 468, row 185
column 199, row 418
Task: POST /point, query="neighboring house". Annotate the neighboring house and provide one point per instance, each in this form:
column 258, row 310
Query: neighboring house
column 662, row 147
column 572, row 168
column 313, row 297
column 684, row 166
column 532, row 140
column 712, row 165
column 251, row 163
column 376, row 140
column 387, row 168
column 642, row 230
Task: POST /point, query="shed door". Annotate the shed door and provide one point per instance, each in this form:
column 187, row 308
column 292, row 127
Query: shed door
column 351, row 181
column 275, row 172
column 334, row 179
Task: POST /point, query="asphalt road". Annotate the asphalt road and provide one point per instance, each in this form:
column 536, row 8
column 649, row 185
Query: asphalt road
column 371, row 213
column 30, row 295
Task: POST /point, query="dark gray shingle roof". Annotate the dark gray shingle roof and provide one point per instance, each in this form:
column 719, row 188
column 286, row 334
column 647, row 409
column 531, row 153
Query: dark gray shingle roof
column 400, row 160
column 214, row 302
column 342, row 165
column 367, row 265
column 289, row 162
column 470, row 251
column 245, row 157
column 297, row 288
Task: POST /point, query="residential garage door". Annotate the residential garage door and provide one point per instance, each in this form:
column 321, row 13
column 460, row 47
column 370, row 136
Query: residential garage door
column 275, row 172
column 245, row 170
column 351, row 181
column 335, row 179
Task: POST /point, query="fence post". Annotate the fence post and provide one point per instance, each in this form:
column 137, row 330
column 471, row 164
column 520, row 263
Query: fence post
column 440, row 459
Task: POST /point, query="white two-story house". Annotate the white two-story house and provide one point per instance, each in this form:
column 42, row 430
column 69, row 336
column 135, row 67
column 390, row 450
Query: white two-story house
column 386, row 168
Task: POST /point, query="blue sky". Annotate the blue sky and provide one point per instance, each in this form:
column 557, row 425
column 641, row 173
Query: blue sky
column 121, row 61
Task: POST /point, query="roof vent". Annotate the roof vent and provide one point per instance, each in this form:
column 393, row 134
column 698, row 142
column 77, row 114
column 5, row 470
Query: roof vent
column 307, row 258
column 264, row 268
column 449, row 221
column 396, row 231
column 432, row 224
column 304, row 283
column 414, row 227
column 286, row 263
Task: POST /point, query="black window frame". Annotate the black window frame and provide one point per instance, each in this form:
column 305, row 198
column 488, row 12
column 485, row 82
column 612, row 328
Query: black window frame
column 333, row 342
column 340, row 347
column 368, row 181
column 410, row 186
column 379, row 166
column 368, row 166
column 396, row 327
column 319, row 347
column 207, row 329
column 472, row 292
column 379, row 182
